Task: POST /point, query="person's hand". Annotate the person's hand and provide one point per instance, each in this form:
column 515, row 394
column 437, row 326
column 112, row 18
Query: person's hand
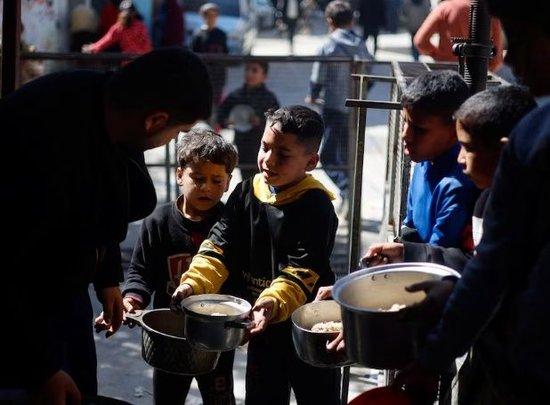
column 87, row 48
column 337, row 345
column 131, row 305
column 430, row 308
column 261, row 315
column 419, row 384
column 324, row 293
column 183, row 291
column 383, row 253
column 111, row 317
column 59, row 389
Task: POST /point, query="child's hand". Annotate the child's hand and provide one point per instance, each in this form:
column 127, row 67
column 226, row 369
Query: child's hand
column 338, row 344
column 324, row 293
column 383, row 253
column 183, row 291
column 261, row 315
column 131, row 305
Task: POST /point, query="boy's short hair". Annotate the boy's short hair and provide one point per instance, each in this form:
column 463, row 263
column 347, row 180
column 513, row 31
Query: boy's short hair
column 262, row 63
column 438, row 93
column 205, row 8
column 170, row 79
column 306, row 124
column 340, row 12
column 492, row 114
column 201, row 145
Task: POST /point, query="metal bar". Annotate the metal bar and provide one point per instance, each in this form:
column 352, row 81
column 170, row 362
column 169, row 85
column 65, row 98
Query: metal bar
column 382, row 105
column 375, row 78
column 11, row 33
column 355, row 233
column 345, row 383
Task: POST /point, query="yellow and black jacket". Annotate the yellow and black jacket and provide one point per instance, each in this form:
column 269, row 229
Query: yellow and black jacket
column 276, row 245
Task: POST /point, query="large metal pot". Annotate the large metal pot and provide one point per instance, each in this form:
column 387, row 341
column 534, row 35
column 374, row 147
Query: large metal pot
column 311, row 346
column 215, row 322
column 374, row 336
column 164, row 347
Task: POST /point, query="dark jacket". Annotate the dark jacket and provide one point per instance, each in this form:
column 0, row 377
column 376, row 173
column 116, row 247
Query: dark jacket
column 509, row 277
column 279, row 243
column 70, row 194
column 166, row 244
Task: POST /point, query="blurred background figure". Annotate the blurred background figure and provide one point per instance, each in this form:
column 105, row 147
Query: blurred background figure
column 211, row 39
column 372, row 17
column 129, row 33
column 413, row 13
column 290, row 12
column 168, row 23
column 108, row 16
column 83, row 27
column 451, row 18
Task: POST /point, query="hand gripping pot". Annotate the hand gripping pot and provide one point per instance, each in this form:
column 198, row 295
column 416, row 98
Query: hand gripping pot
column 376, row 335
column 164, row 347
column 215, row 322
column 311, row 346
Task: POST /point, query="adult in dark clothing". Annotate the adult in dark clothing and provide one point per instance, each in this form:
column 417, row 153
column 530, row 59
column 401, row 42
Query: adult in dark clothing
column 169, row 24
column 255, row 97
column 508, row 280
column 290, row 10
column 372, row 17
column 211, row 39
column 169, row 238
column 83, row 135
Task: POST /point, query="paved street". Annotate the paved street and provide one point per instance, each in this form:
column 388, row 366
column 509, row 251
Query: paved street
column 122, row 372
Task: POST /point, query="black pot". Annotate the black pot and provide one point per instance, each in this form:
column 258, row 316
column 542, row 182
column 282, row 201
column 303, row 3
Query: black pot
column 375, row 336
column 164, row 347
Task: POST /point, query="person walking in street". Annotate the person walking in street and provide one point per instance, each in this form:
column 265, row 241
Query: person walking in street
column 291, row 13
column 414, row 12
column 372, row 17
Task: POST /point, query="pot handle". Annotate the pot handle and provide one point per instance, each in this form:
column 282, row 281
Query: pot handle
column 238, row 324
column 136, row 318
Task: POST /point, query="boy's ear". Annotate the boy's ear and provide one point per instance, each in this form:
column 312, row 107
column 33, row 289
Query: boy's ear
column 313, row 161
column 179, row 176
column 156, row 121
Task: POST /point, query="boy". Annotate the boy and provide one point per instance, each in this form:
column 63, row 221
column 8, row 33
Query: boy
column 210, row 39
column 334, row 79
column 277, row 234
column 257, row 97
column 169, row 238
column 441, row 197
column 483, row 125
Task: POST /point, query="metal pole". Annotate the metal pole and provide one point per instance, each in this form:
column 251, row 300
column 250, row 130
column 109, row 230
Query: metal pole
column 168, row 171
column 11, row 32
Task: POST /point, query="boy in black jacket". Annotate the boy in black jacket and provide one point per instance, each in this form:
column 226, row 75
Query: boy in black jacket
column 277, row 233
column 169, row 238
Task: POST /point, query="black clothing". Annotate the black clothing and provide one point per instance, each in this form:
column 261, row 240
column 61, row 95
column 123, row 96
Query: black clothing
column 508, row 279
column 167, row 243
column 248, row 142
column 271, row 355
column 70, row 194
column 216, row 387
column 214, row 41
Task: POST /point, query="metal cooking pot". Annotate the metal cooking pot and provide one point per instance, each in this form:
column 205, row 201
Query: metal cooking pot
column 374, row 336
column 222, row 331
column 164, row 347
column 311, row 346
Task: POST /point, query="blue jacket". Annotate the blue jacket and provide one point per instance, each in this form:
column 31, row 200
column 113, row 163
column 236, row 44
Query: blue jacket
column 441, row 200
column 508, row 280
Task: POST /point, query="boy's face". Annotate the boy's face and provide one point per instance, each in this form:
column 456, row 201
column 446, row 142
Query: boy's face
column 478, row 161
column 254, row 75
column 210, row 18
column 282, row 160
column 203, row 184
column 426, row 136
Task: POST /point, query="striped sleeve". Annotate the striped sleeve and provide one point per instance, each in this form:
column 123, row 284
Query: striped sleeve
column 207, row 272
